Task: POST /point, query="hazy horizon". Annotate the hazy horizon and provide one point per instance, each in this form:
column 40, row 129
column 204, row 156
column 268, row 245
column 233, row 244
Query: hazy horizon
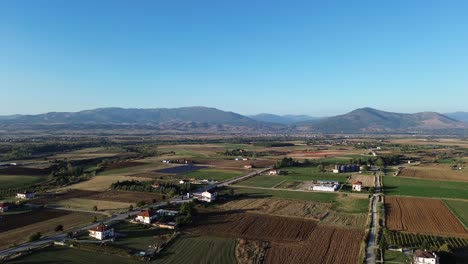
column 304, row 58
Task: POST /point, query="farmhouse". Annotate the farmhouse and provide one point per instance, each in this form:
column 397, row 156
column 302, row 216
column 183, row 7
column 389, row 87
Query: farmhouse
column 184, row 181
column 325, row 186
column 5, row 207
column 146, row 217
column 155, row 185
column 206, row 196
column 26, row 195
column 101, row 232
column 357, row 186
column 274, row 172
column 425, row 257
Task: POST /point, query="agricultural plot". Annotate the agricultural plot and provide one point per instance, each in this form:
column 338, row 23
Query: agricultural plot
column 460, row 209
column 367, row 180
column 102, row 183
column 321, row 212
column 199, row 249
column 20, row 235
column 61, row 255
column 139, row 237
column 10, row 222
column 234, row 164
column 418, row 215
column 89, row 204
column 340, row 202
column 180, row 169
column 403, row 239
column 435, row 172
column 126, row 197
column 425, row 188
column 254, row 226
column 212, row 174
column 18, row 181
column 326, row 244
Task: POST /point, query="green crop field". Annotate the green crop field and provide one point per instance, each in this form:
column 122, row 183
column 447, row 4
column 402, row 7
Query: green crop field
column 210, row 174
column 60, row 255
column 196, row 249
column 138, row 237
column 395, row 257
column 460, row 209
column 18, row 181
column 425, row 188
column 341, row 202
column 297, row 174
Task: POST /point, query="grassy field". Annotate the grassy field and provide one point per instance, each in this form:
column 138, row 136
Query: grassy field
column 395, row 257
column 18, row 181
column 88, row 204
column 138, row 237
column 341, row 202
column 460, row 209
column 295, row 174
column 425, row 188
column 200, row 249
column 61, row 255
column 210, row 174
column 102, row 183
column 20, row 235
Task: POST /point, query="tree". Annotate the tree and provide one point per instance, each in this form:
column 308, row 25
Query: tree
column 445, row 248
column 380, row 162
column 58, row 228
column 382, row 243
column 36, row 236
column 364, row 168
column 130, row 208
column 95, row 219
column 140, row 203
column 95, row 208
column 321, row 168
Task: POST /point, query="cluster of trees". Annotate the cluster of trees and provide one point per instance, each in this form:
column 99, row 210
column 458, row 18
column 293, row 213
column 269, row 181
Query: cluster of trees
column 273, row 144
column 148, row 150
column 381, row 161
column 187, row 211
column 140, row 186
column 239, row 152
column 286, row 162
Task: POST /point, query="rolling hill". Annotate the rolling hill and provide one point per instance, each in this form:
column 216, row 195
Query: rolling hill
column 282, row 119
column 369, row 120
column 460, row 116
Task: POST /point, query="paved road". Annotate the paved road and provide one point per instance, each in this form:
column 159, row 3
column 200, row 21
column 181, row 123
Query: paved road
column 117, row 217
column 372, row 243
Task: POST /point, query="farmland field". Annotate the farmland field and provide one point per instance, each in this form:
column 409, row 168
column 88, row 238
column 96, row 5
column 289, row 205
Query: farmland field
column 18, row 181
column 180, row 169
column 322, row 212
column 326, row 244
column 199, row 249
column 139, row 237
column 69, row 220
column 102, row 183
column 10, row 222
column 367, row 180
column 341, row 202
column 460, row 209
column 421, row 215
column 212, row 174
column 88, row 204
column 254, row 226
column 425, row 188
column 61, row 255
column 435, row 172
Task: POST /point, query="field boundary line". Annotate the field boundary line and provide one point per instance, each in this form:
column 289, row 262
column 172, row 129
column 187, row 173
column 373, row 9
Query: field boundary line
column 274, row 186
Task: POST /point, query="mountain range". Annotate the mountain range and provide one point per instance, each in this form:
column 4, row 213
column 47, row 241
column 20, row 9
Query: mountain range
column 212, row 120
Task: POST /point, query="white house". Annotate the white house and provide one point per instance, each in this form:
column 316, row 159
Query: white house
column 26, row 195
column 208, row 196
column 425, row 257
column 326, row 186
column 357, row 186
column 101, row 232
column 184, row 181
column 274, row 172
column 146, row 217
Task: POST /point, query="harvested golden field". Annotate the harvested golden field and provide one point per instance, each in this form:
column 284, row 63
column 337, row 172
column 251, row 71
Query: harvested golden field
column 102, row 183
column 325, row 245
column 69, row 221
column 422, row 215
column 367, row 180
column 435, row 172
column 302, row 209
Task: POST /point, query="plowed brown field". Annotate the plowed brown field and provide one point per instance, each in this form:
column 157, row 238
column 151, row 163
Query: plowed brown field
column 326, row 245
column 422, row 215
column 255, row 226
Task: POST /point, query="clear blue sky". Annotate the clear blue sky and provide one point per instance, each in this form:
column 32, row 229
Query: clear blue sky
column 284, row 57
